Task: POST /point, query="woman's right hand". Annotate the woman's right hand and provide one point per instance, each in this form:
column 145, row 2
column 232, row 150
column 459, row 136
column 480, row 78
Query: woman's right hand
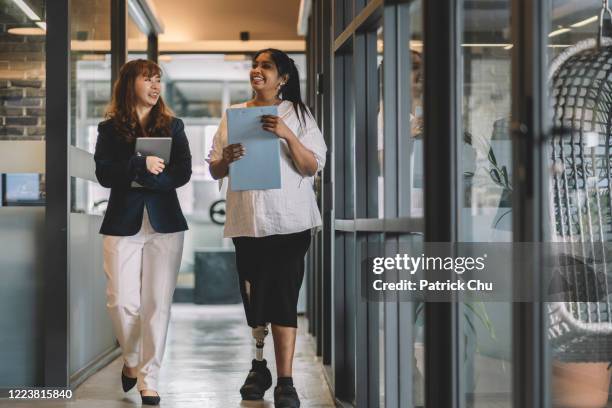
column 155, row 165
column 233, row 152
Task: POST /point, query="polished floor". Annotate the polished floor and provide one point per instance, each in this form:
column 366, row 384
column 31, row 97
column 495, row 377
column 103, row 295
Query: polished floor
column 207, row 357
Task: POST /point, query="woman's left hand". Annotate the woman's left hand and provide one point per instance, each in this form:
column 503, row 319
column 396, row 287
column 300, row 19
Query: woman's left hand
column 276, row 125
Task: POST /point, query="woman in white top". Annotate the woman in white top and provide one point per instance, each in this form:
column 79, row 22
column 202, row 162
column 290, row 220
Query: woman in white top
column 271, row 229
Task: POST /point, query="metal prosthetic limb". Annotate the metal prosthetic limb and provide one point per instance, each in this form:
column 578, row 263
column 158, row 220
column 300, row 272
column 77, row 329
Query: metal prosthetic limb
column 259, row 334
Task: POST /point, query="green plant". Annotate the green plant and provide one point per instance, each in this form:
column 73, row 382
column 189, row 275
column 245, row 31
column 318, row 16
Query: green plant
column 498, row 174
column 471, row 309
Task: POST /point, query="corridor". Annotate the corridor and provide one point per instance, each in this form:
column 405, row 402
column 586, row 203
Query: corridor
column 207, row 358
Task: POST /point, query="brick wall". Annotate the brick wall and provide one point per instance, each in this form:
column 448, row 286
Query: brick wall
column 22, row 86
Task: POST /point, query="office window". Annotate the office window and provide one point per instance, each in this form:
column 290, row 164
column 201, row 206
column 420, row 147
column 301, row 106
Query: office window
column 136, row 38
column 90, row 69
column 485, row 166
column 22, row 189
column 22, row 95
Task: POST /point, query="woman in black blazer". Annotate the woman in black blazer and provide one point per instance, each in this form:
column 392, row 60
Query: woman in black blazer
column 143, row 226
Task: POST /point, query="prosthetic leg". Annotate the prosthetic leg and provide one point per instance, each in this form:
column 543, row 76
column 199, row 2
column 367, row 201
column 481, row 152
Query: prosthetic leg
column 259, row 334
column 259, row 378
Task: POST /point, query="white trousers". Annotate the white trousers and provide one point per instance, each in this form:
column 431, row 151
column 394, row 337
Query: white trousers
column 141, row 273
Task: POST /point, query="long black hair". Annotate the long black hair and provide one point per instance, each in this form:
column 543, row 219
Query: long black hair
column 291, row 90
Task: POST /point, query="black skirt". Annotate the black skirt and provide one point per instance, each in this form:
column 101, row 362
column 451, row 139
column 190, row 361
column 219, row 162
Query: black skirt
column 271, row 271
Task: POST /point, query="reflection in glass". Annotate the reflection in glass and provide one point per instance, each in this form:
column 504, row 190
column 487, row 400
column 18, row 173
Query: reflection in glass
column 88, row 197
column 413, row 138
column 580, row 335
column 380, row 189
column 136, row 40
column 23, row 189
column 485, row 164
column 22, row 92
column 411, row 184
column 380, row 123
column 90, row 69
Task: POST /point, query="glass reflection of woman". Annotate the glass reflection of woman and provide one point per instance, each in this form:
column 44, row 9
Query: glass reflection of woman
column 271, row 229
column 416, row 81
column 143, row 226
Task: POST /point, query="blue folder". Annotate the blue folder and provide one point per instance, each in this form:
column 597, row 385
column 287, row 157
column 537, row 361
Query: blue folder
column 259, row 169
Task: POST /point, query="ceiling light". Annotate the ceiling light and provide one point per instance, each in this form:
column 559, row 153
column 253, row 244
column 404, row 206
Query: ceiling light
column 558, row 32
column 32, row 16
column 26, row 31
column 92, row 57
column 416, row 44
column 585, row 22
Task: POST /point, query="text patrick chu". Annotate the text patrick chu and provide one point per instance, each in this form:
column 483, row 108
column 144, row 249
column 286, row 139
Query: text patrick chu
column 418, row 273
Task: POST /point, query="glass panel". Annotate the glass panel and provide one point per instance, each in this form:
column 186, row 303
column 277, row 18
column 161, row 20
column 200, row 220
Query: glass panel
column 380, row 123
column 22, row 92
column 90, row 69
column 22, row 230
column 579, row 194
column 411, row 177
column 23, row 189
column 381, row 354
column 136, row 40
column 485, row 208
column 88, row 197
column 410, row 192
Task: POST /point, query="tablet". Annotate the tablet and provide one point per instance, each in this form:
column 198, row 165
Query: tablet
column 153, row 146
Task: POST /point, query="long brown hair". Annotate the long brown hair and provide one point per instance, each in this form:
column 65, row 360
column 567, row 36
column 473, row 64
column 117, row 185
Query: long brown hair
column 122, row 108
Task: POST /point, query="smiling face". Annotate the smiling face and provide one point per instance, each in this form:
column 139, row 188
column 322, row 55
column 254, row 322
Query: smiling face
column 264, row 74
column 147, row 89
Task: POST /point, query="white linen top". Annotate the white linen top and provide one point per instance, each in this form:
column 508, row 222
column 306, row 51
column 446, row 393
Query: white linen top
column 293, row 207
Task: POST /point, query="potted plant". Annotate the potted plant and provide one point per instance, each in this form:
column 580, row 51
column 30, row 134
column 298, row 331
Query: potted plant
column 473, row 312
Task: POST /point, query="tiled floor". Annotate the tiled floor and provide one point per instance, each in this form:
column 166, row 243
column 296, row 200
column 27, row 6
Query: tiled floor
column 207, row 357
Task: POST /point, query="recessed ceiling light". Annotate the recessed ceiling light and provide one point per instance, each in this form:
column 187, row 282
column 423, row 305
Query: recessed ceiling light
column 26, row 31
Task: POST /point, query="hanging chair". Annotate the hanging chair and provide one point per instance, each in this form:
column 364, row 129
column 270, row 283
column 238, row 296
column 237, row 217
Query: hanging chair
column 580, row 327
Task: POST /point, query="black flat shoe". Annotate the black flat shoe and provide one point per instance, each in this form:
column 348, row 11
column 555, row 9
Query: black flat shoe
column 285, row 396
column 150, row 400
column 127, row 382
column 257, row 382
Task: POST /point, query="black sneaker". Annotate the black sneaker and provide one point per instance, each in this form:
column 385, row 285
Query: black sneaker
column 257, row 382
column 285, row 396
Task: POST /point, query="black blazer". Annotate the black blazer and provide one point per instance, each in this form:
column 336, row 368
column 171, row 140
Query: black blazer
column 117, row 166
